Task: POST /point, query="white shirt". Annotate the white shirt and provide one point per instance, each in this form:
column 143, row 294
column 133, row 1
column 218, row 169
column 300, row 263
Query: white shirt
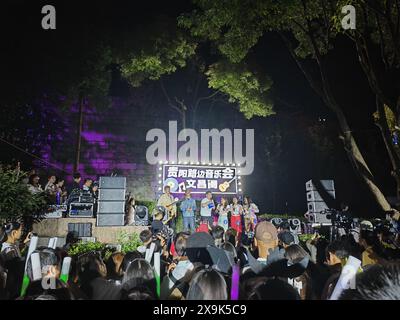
column 206, row 211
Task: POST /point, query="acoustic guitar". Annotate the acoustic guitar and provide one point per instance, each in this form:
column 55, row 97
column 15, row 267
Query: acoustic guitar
column 169, row 207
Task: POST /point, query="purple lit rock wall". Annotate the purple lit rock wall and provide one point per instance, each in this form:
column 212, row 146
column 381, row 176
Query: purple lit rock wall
column 113, row 141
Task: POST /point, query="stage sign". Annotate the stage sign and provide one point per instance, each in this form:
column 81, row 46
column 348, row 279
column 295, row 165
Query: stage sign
column 200, row 178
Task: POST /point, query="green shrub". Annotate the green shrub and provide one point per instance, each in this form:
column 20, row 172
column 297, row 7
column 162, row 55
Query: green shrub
column 128, row 241
column 17, row 202
column 81, row 248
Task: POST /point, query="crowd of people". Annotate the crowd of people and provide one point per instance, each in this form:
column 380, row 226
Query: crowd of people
column 231, row 253
column 202, row 265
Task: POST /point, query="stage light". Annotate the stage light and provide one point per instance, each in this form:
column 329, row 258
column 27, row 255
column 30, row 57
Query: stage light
column 238, row 171
column 239, row 183
column 166, row 162
column 239, row 177
column 159, row 175
column 240, row 190
column 159, row 189
column 209, row 164
column 159, row 181
column 160, row 168
column 238, row 164
column 221, row 164
column 203, row 163
column 185, row 162
column 173, row 162
column 198, row 163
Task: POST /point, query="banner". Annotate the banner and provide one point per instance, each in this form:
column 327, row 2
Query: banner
column 201, row 178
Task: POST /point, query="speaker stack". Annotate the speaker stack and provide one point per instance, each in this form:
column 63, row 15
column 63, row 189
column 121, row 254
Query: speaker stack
column 318, row 194
column 111, row 201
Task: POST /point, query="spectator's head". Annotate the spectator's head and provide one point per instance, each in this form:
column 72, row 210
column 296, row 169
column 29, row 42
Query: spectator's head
column 167, row 189
column 90, row 266
column 266, row 238
column 49, row 263
column 52, row 179
column 139, row 274
column 34, row 179
column 12, row 232
column 337, row 252
column 368, row 239
column 88, row 182
column 138, row 293
column 77, row 177
column 207, row 285
column 273, row 289
column 180, row 245
column 286, row 238
column 209, row 195
column 230, row 236
column 284, row 226
column 230, row 248
column 188, row 193
column 379, row 282
column 295, row 254
column 146, row 237
column 217, row 233
column 235, row 200
column 114, row 265
column 72, row 237
column 128, row 258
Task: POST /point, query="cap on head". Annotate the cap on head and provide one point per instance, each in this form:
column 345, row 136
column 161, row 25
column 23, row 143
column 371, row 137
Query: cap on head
column 266, row 232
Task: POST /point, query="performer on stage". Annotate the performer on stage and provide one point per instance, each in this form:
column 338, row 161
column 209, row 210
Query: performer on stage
column 250, row 209
column 167, row 201
column 223, row 209
column 188, row 207
column 207, row 204
column 236, row 216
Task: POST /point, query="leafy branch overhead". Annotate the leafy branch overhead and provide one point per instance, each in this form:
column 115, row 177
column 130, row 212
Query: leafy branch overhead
column 165, row 57
column 234, row 80
column 242, row 87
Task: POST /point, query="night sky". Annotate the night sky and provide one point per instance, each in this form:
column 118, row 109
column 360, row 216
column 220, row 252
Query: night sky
column 29, row 54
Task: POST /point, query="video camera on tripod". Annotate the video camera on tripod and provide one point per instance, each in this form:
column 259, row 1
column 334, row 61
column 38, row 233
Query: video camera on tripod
column 339, row 218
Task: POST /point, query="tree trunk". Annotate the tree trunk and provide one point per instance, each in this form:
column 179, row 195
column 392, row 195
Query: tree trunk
column 353, row 152
column 359, row 163
column 79, row 134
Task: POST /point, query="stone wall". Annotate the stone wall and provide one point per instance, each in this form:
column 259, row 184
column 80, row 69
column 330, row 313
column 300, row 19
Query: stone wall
column 59, row 228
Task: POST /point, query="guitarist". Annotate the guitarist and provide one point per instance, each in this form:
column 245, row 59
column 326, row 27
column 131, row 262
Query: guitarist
column 167, row 201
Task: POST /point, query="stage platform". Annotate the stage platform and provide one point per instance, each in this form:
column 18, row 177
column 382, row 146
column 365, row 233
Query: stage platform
column 58, row 227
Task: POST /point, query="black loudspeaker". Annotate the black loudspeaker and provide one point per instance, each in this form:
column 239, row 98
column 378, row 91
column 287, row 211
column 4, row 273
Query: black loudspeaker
column 111, row 207
column 141, row 216
column 111, row 202
column 112, row 183
column 80, row 229
column 108, row 219
column 111, row 194
column 320, row 197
